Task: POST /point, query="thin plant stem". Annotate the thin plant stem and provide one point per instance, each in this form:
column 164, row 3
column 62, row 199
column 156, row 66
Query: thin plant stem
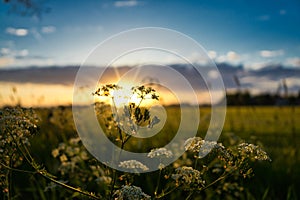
column 196, row 162
column 190, row 195
column 223, row 176
column 167, row 193
column 91, row 195
column 8, row 184
column 157, row 184
column 113, row 184
column 17, row 170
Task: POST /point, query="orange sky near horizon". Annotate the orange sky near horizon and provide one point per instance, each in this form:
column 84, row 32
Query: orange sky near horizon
column 47, row 95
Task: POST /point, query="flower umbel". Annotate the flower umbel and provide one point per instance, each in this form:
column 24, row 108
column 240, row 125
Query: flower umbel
column 130, row 193
column 188, row 177
column 133, row 164
column 193, row 144
column 252, row 151
column 198, row 145
column 160, row 153
column 206, row 147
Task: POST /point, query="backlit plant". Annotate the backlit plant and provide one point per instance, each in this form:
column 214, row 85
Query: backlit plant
column 205, row 166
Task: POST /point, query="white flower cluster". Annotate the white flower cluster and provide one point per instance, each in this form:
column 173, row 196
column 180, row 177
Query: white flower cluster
column 133, row 164
column 198, row 145
column 206, row 147
column 188, row 177
column 130, row 193
column 193, row 144
column 252, row 151
column 160, row 153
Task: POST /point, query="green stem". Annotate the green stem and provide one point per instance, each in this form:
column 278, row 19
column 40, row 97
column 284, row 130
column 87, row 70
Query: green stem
column 190, row 195
column 10, row 178
column 167, row 193
column 7, row 179
column 196, row 162
column 157, row 184
column 126, row 140
column 223, row 176
column 91, row 195
column 17, row 170
column 113, row 184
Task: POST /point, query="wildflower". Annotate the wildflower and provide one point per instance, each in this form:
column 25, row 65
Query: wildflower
column 160, row 152
column 188, row 177
column 193, row 144
column 133, row 164
column 63, row 158
column 206, row 147
column 252, row 151
column 55, row 153
column 224, row 154
column 161, row 166
column 130, row 193
column 106, row 90
column 74, row 141
column 198, row 145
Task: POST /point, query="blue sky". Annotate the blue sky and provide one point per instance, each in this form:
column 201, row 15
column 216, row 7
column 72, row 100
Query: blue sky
column 252, row 33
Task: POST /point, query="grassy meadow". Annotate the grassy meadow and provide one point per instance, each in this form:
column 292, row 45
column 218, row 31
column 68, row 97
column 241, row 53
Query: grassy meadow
column 276, row 129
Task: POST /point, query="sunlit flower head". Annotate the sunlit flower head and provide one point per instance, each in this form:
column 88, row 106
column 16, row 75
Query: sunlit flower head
column 252, row 151
column 206, row 147
column 193, row 144
column 130, row 193
column 133, row 164
column 160, row 153
column 188, row 177
column 198, row 145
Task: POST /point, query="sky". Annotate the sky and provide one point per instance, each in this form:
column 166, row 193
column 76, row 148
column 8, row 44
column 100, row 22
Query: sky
column 249, row 33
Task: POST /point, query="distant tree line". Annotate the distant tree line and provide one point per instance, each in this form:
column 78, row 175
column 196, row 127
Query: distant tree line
column 243, row 98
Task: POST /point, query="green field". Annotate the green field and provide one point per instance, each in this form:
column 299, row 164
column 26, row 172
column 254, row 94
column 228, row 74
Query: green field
column 276, row 129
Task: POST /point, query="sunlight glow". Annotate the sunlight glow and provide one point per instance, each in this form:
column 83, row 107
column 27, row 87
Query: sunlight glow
column 125, row 96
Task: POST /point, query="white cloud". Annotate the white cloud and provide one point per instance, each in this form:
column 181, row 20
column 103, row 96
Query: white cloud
column 48, row 29
column 20, row 58
column 17, row 31
column 294, row 62
column 212, row 54
column 264, row 18
column 23, row 53
column 258, row 65
column 261, row 84
column 12, row 53
column 5, row 51
column 270, row 54
column 199, row 58
column 126, row 3
column 230, row 56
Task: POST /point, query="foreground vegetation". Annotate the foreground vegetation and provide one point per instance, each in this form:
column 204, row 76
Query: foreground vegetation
column 275, row 129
